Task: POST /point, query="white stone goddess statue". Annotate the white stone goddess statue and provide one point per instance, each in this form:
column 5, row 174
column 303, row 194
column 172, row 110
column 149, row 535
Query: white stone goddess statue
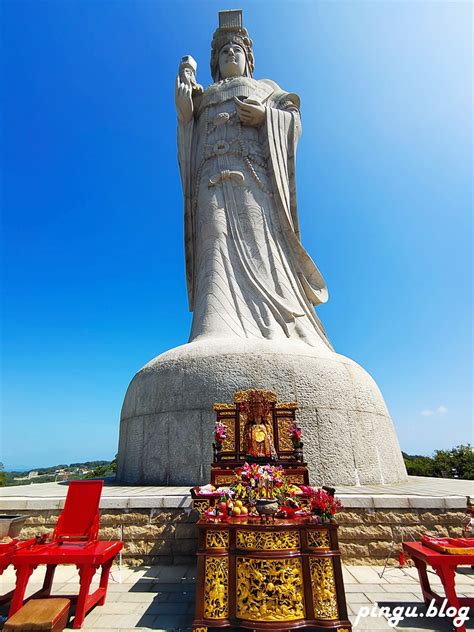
column 252, row 289
column 248, row 275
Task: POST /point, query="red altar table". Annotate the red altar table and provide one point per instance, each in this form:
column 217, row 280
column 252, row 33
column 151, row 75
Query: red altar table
column 74, row 541
column 445, row 565
column 7, row 551
column 87, row 557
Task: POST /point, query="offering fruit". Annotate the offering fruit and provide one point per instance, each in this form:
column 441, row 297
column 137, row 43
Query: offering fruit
column 244, row 511
column 236, row 511
column 223, row 507
column 239, row 503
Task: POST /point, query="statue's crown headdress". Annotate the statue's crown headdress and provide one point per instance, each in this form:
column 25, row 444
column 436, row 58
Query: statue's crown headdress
column 231, row 31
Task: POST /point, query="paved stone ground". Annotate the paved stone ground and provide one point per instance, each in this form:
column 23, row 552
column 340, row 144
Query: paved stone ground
column 162, row 597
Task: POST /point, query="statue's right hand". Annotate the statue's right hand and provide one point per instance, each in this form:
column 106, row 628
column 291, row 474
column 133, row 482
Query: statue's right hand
column 183, row 94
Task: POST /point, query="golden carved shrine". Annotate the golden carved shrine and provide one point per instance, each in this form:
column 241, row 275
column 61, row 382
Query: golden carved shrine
column 277, row 576
column 277, row 417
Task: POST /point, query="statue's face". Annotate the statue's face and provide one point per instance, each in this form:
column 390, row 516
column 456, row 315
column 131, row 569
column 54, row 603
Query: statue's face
column 231, row 61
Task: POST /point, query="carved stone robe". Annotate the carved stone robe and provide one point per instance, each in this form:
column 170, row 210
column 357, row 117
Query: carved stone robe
column 248, row 275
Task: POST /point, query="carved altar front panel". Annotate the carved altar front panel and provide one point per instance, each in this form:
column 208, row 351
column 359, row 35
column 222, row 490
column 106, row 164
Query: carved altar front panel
column 318, row 539
column 286, row 576
column 269, row 589
column 217, row 539
column 267, row 540
column 216, row 588
column 323, row 588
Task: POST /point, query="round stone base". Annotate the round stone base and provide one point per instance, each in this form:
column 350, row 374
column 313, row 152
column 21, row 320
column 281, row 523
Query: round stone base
column 167, row 420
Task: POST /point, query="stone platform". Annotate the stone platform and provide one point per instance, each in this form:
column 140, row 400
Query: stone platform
column 157, row 523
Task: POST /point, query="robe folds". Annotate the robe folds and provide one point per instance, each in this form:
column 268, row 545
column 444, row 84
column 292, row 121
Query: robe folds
column 247, row 273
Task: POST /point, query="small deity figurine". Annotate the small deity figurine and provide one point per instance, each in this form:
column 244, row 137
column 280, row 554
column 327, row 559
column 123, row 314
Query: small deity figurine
column 258, row 430
column 259, row 442
column 187, row 76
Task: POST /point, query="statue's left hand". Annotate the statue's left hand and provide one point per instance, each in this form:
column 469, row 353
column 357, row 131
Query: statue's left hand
column 184, row 100
column 250, row 112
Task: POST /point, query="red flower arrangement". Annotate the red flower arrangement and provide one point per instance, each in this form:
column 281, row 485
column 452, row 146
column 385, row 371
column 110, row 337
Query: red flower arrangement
column 295, row 435
column 324, row 504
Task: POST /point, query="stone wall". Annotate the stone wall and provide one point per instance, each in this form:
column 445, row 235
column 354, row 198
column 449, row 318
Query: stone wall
column 368, row 536
column 150, row 536
column 168, row 536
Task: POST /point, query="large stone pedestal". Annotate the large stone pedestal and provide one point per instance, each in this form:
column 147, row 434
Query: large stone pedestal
column 167, row 421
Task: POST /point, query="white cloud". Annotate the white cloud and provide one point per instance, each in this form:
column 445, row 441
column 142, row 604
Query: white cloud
column 441, row 410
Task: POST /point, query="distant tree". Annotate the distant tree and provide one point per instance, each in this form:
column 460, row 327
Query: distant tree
column 3, row 479
column 419, row 465
column 108, row 469
column 455, row 463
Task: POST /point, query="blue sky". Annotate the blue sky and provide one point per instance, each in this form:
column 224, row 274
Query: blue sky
column 93, row 267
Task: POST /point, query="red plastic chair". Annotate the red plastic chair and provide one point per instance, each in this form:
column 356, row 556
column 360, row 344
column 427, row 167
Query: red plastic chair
column 74, row 541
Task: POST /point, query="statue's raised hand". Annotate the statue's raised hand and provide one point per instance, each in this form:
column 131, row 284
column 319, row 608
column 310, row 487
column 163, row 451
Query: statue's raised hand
column 250, row 112
column 183, row 94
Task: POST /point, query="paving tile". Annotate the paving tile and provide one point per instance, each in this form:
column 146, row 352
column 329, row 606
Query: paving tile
column 8, row 575
column 164, row 621
column 145, row 587
column 374, row 624
column 367, row 575
column 120, row 588
column 125, row 573
column 143, row 607
column 402, row 588
column 147, row 621
column 191, row 570
column 353, row 588
column 142, row 597
column 170, row 587
column 356, row 598
column 394, row 575
column 169, row 608
column 91, row 622
column 172, row 573
column 352, row 609
column 393, row 597
column 464, row 580
column 348, row 576
column 121, row 620
column 65, row 573
column 136, row 576
column 121, row 607
column 152, row 571
column 183, row 597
